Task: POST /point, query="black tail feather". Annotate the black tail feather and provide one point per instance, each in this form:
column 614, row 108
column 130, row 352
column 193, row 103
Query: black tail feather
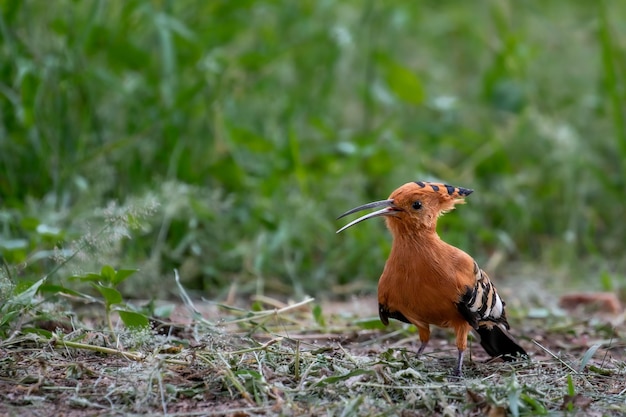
column 498, row 342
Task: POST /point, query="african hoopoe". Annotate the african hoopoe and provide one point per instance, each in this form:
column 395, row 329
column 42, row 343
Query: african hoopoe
column 427, row 281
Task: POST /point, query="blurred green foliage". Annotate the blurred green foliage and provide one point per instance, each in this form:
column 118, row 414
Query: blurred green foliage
column 254, row 123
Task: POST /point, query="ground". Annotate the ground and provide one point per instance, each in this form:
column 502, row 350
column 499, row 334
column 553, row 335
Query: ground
column 311, row 359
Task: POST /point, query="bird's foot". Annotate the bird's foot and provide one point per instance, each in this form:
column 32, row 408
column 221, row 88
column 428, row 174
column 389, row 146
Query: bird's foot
column 457, row 374
column 421, row 349
column 458, row 371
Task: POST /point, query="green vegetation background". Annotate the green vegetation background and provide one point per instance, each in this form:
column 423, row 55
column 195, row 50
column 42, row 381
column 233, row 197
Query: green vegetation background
column 228, row 135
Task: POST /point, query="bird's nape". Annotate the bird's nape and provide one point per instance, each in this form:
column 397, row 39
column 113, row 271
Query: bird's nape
column 389, row 209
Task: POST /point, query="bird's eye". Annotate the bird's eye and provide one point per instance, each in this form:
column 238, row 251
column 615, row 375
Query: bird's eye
column 417, row 205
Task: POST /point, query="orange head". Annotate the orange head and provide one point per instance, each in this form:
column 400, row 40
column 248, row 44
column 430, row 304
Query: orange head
column 414, row 206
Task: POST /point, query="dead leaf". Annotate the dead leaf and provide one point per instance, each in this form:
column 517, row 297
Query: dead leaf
column 496, row 412
column 577, row 401
column 475, row 398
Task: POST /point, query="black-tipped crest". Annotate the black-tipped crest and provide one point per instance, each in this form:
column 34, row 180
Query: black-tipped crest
column 463, row 192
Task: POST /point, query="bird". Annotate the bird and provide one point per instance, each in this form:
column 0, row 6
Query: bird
column 427, row 281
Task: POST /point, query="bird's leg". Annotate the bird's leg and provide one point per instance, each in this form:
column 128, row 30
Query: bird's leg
column 461, row 343
column 458, row 371
column 424, row 333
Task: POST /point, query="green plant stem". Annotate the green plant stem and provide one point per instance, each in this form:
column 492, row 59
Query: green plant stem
column 107, row 308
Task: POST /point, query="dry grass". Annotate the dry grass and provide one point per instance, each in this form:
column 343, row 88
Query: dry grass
column 303, row 360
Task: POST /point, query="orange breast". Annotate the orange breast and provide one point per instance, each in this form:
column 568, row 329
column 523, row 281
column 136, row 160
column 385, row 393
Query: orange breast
column 420, row 301
column 425, row 289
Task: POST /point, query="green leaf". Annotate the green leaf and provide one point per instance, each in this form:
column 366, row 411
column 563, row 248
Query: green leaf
column 111, row 295
column 29, row 223
column 318, row 315
column 25, row 296
column 600, row 371
column 404, row 83
column 89, row 277
column 8, row 316
column 41, row 332
column 164, row 311
column 514, row 396
column 249, row 372
column 538, row 407
column 606, row 281
column 133, row 320
column 107, row 273
column 59, row 289
column 571, row 390
column 21, row 286
column 372, row 323
column 588, row 355
column 122, row 274
column 514, row 402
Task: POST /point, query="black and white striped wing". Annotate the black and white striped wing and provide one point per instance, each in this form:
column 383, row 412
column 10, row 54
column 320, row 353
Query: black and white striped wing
column 482, row 303
column 483, row 309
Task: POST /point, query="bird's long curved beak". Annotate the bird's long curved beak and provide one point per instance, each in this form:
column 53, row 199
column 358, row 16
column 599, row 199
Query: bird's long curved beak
column 389, row 209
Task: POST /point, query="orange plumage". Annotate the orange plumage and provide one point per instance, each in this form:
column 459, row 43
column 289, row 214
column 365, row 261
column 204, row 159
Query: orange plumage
column 427, row 281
